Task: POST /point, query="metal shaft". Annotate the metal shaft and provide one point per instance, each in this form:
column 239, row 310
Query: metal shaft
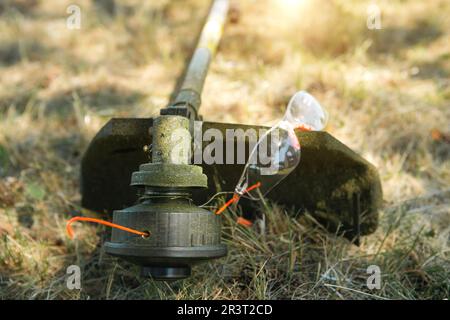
column 188, row 99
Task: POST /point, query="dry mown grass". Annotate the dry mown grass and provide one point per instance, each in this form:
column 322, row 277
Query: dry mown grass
column 387, row 91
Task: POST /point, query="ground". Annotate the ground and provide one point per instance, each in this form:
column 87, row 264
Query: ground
column 387, row 92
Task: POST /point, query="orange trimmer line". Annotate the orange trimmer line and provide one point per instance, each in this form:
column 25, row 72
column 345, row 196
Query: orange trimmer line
column 106, row 223
column 236, row 197
column 244, row 222
column 141, row 233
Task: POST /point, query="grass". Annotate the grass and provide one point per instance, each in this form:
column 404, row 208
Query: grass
column 386, row 91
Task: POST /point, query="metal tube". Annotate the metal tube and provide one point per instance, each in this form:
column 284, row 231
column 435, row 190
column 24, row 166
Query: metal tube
column 166, row 149
column 189, row 94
